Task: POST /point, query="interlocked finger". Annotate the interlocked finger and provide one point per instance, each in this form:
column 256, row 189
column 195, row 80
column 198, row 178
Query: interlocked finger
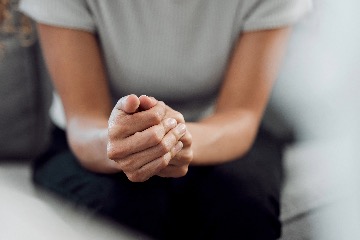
column 122, row 125
column 147, row 171
column 118, row 149
column 169, row 144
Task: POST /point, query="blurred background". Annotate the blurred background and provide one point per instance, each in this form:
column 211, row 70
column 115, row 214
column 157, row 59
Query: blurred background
column 317, row 97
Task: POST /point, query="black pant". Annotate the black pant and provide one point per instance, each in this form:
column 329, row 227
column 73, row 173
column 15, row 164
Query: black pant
column 236, row 200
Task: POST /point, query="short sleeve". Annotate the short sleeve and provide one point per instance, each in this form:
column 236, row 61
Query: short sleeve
column 72, row 14
column 268, row 14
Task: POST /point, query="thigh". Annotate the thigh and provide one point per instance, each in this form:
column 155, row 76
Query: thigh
column 140, row 206
column 236, row 200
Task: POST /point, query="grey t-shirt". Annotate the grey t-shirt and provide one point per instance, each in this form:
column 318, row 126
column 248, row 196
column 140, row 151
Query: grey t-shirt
column 174, row 50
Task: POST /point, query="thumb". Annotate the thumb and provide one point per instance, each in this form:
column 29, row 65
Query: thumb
column 128, row 104
column 147, row 102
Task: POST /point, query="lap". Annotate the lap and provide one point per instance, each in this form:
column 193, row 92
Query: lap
column 241, row 195
column 243, row 192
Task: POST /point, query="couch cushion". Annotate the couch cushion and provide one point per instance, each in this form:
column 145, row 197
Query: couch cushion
column 25, row 97
column 318, row 173
column 31, row 213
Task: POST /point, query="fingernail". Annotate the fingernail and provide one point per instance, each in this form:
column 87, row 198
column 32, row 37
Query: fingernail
column 181, row 128
column 170, row 122
column 178, row 146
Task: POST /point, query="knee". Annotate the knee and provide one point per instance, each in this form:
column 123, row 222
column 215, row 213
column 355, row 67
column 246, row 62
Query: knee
column 246, row 215
column 242, row 205
column 73, row 183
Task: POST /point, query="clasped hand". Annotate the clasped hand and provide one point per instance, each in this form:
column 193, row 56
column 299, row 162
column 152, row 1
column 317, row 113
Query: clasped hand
column 148, row 138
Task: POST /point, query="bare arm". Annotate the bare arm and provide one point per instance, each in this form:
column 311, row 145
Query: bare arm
column 78, row 73
column 140, row 143
column 74, row 62
column 230, row 132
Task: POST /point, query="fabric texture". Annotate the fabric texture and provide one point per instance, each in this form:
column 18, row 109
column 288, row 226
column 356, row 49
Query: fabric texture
column 145, row 55
column 25, row 99
column 198, row 203
column 175, row 51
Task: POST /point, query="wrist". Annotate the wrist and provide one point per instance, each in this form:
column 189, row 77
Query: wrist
column 88, row 143
column 221, row 138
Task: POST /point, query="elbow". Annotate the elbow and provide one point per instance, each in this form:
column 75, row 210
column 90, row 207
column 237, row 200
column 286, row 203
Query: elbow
column 249, row 133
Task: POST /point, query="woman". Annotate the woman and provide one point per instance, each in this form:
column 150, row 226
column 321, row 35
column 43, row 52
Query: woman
column 206, row 166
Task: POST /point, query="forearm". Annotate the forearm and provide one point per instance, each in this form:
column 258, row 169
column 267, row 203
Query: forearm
column 223, row 137
column 75, row 63
column 88, row 140
column 244, row 95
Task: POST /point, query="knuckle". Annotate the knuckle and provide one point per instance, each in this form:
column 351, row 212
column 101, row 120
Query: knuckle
column 183, row 171
column 173, row 137
column 179, row 117
column 163, row 163
column 111, row 153
column 164, row 146
column 190, row 155
column 162, row 173
column 114, row 152
column 187, row 139
column 114, row 131
column 124, row 128
column 111, row 133
column 156, row 117
column 126, row 165
column 156, row 135
column 187, row 156
column 137, row 135
column 178, row 172
column 135, row 177
column 156, row 114
column 131, row 177
column 161, row 104
column 115, row 119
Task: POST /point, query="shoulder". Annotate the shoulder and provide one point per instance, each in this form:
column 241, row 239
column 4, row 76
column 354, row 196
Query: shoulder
column 261, row 15
column 73, row 14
